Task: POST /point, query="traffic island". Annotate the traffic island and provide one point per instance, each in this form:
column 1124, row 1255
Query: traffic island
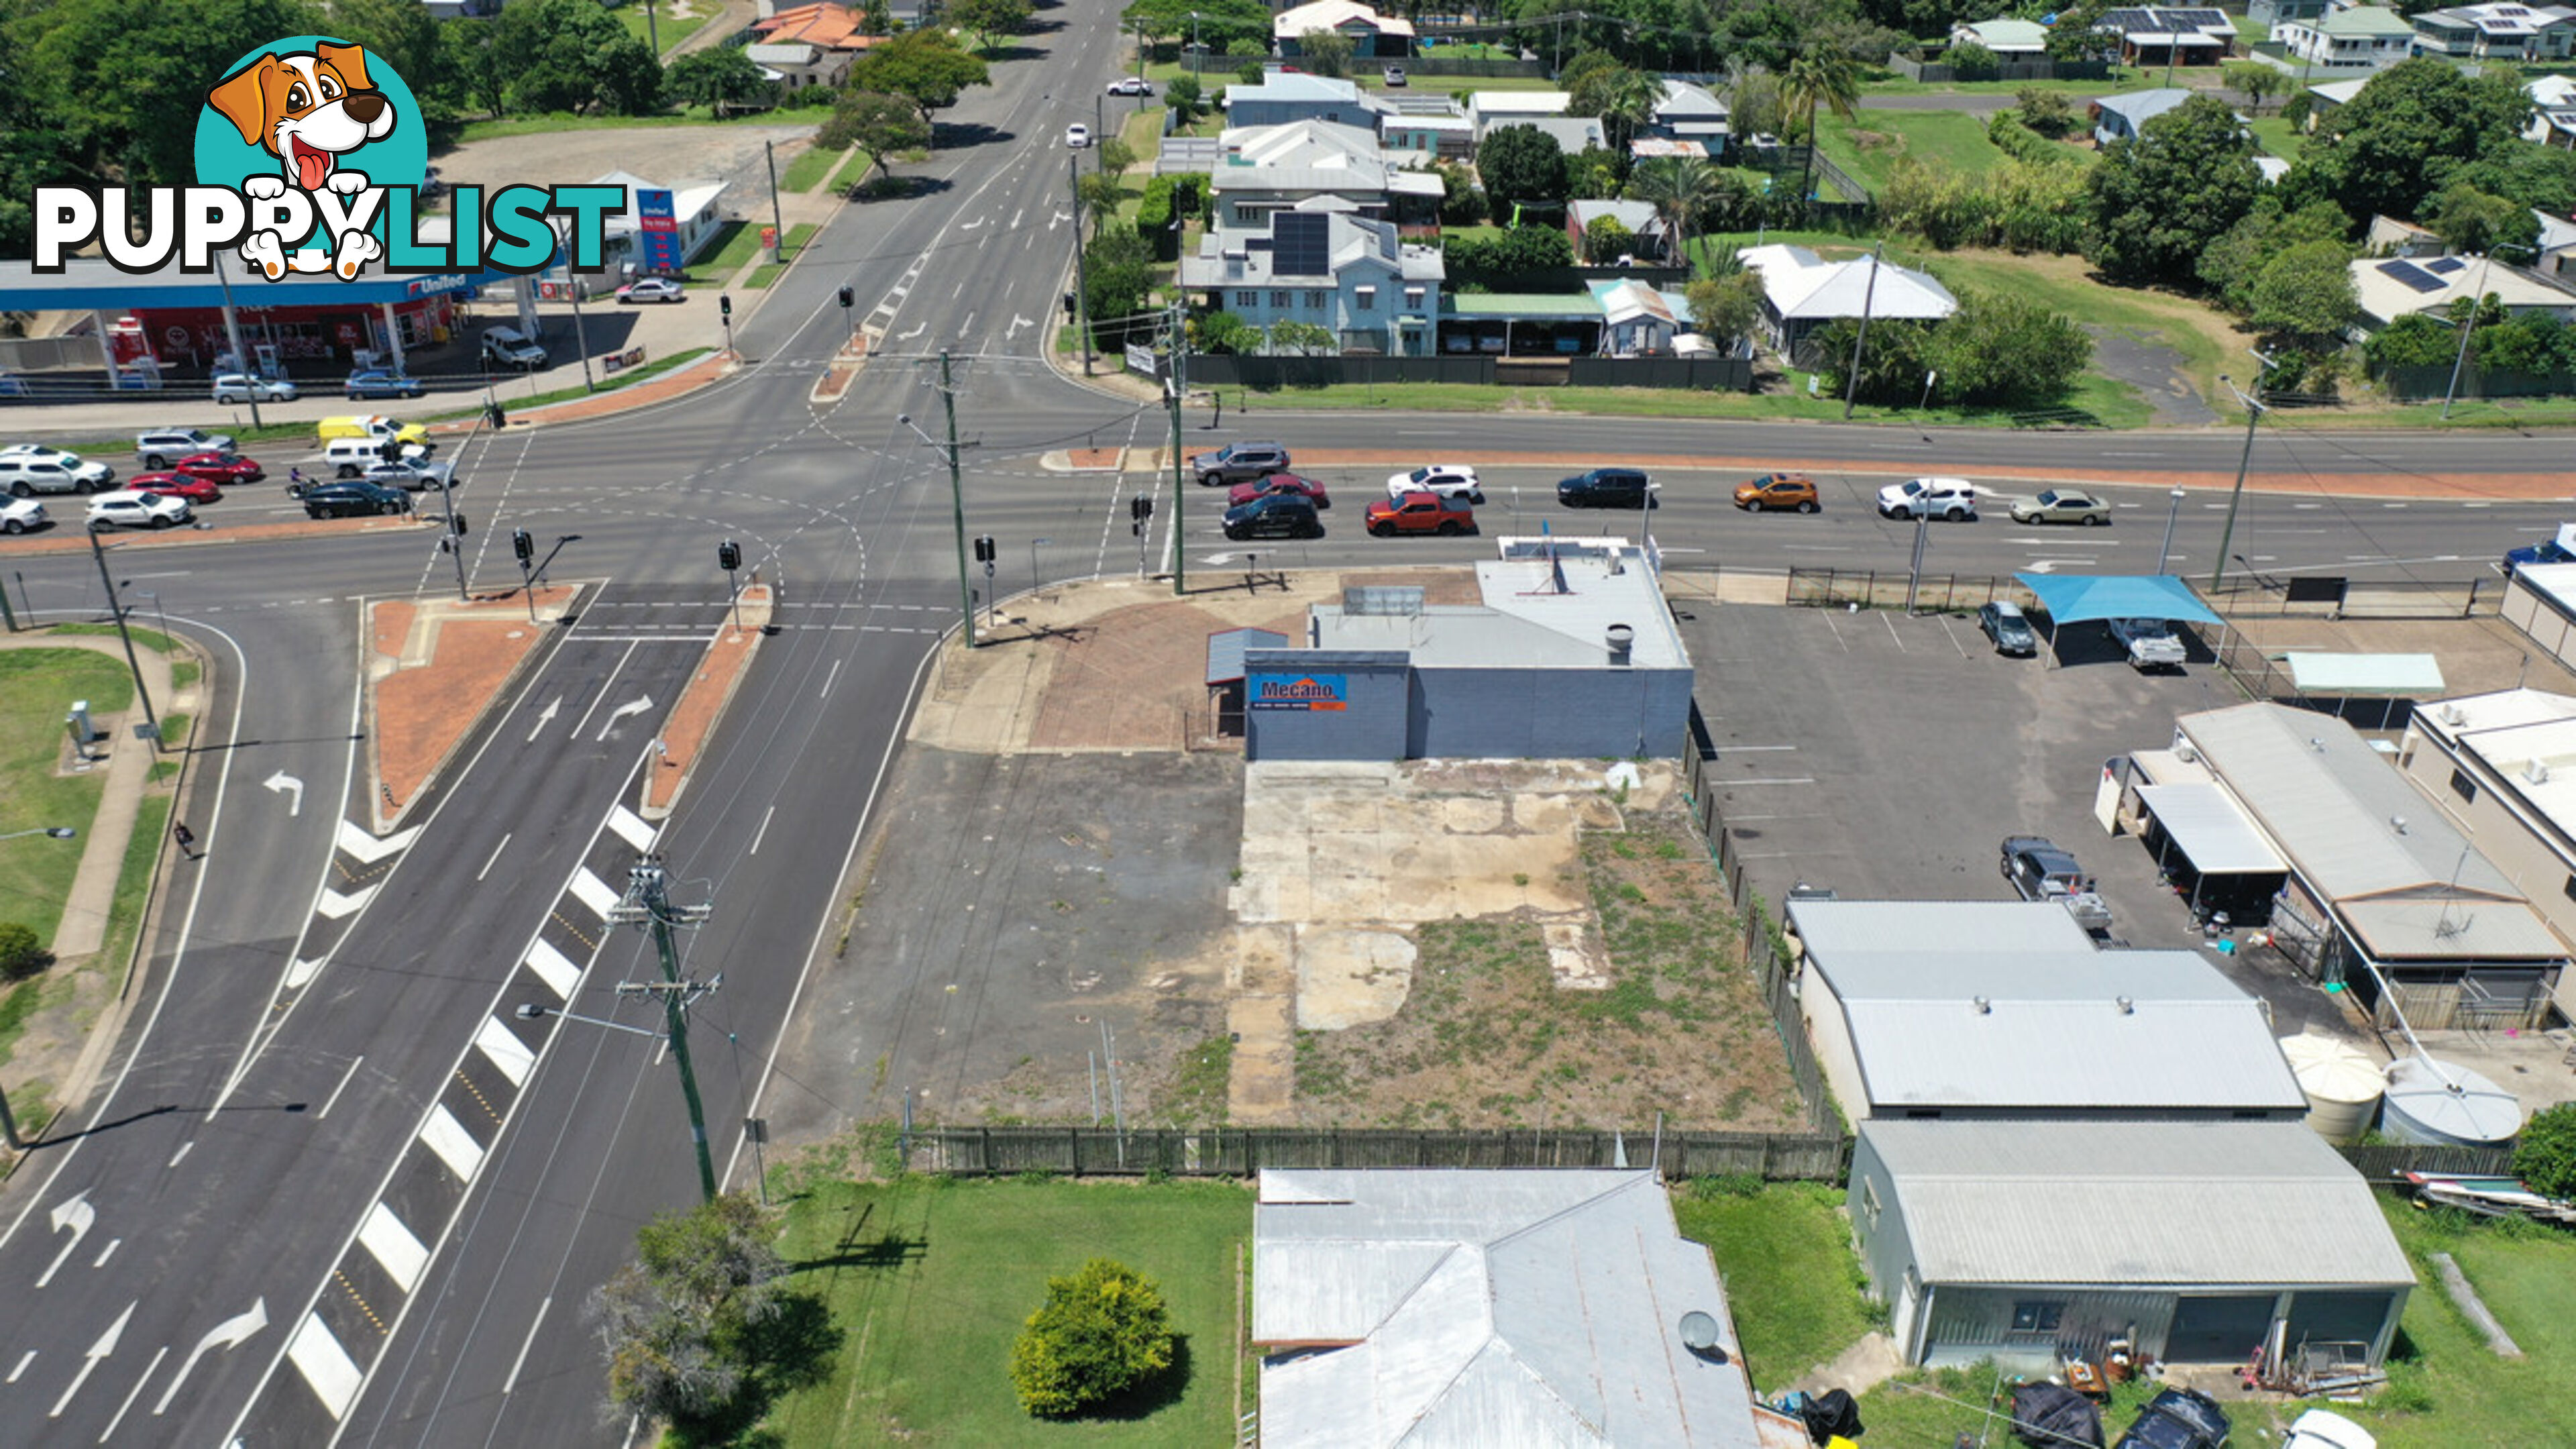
column 844, row 369
column 433, row 668
column 692, row 721
column 1086, row 460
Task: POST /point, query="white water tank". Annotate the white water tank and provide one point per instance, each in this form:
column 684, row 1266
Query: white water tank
column 2341, row 1081
column 2447, row 1105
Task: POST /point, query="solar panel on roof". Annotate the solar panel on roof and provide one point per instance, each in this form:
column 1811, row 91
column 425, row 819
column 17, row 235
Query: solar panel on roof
column 2444, row 266
column 2412, row 275
column 1302, row 241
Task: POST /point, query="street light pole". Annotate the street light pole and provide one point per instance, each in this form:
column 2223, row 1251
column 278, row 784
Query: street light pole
column 2469, row 325
column 232, row 330
column 2165, row 549
column 1180, row 384
column 116, row 606
column 1034, row 545
column 1081, row 263
column 2227, row 536
column 956, row 495
column 647, row 904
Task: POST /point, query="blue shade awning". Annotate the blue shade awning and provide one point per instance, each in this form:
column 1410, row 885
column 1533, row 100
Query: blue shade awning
column 2075, row 598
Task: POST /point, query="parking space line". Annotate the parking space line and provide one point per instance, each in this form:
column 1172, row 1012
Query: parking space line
column 1890, row 622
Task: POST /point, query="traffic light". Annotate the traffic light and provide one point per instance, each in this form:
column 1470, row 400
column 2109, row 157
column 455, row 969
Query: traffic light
column 1068, row 306
column 456, row 525
column 1140, row 508
column 522, row 545
column 728, row 555
column 984, row 549
column 724, row 305
column 846, row 299
column 493, row 415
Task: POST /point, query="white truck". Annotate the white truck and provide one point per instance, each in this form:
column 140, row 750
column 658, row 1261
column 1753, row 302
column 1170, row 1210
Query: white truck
column 2150, row 642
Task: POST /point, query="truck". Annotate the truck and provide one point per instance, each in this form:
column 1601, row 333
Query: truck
column 2150, row 642
column 2039, row 871
column 375, row 427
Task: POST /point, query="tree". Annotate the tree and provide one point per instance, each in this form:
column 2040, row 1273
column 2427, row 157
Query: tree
column 405, row 35
column 1819, row 77
column 1521, row 163
column 572, row 56
column 2305, row 298
column 1101, row 1332
column 686, row 1324
column 2078, row 35
column 1116, row 155
column 1725, row 308
column 875, row 125
column 2257, row 81
column 1118, row 271
column 2413, row 340
column 1324, row 52
column 2536, row 176
column 2229, row 266
column 1223, row 333
column 876, row 17
column 1182, row 94
column 2533, row 342
column 469, row 57
column 1628, row 106
column 2470, row 220
column 117, row 85
column 717, row 77
column 2000, row 349
column 923, row 66
column 1969, row 61
column 1217, row 21
column 1681, row 189
column 1606, row 239
column 2544, row 1157
column 1755, row 99
column 1100, row 194
column 1304, row 338
column 2158, row 201
column 1461, row 204
column 1586, row 79
column 2049, row 113
column 988, row 20
column 2405, row 136
column 22, row 954
column 1594, row 171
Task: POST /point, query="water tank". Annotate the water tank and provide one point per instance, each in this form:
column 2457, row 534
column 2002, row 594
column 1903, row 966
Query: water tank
column 2443, row 1104
column 2341, row 1081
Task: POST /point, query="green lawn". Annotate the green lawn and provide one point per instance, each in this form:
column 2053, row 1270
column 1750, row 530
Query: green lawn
column 559, row 121
column 929, row 1280
column 2098, row 402
column 133, row 884
column 809, row 168
column 1791, row 1280
column 667, row 28
column 736, row 243
column 36, row 686
column 768, row 272
column 1869, row 143
column 1895, row 85
column 152, row 639
column 2278, row 137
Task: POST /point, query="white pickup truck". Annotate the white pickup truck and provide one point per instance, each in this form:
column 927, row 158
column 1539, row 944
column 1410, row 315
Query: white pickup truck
column 2150, row 642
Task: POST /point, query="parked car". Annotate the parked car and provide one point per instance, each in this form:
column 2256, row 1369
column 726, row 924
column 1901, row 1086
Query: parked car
column 2178, row 1419
column 651, row 289
column 223, row 468
column 352, row 498
column 1954, row 499
column 1308, row 488
column 1607, row 488
column 2561, row 549
column 1777, row 490
column 2326, row 1429
column 379, row 382
column 1449, row 480
column 2002, row 622
column 1240, row 463
column 178, row 485
column 1131, row 85
column 1420, row 513
column 127, row 508
column 510, row 347
column 165, row 446
column 2061, row 505
column 2150, row 642
column 17, row 515
column 2042, row 872
column 1077, row 135
column 241, row 387
column 1394, row 77
column 53, row 472
column 1274, row 515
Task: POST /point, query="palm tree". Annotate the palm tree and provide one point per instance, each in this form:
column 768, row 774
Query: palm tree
column 1823, row 76
column 1629, row 105
column 1680, row 188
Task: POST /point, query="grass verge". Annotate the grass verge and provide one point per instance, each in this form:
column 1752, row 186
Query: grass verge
column 930, row 1279
column 133, row 888
column 2097, row 403
column 768, row 272
column 548, row 125
column 1792, row 1282
column 152, row 639
column 614, row 381
column 664, row 28
column 809, row 168
column 36, row 871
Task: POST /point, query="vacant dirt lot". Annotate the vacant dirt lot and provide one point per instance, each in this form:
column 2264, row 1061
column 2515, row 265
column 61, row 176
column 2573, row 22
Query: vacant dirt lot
column 672, row 155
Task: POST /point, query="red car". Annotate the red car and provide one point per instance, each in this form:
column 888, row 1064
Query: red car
column 224, row 468
column 1420, row 513
column 1306, row 488
column 181, row 485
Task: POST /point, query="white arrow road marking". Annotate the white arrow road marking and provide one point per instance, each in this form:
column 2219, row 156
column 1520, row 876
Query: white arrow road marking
column 970, row 225
column 1017, row 322
column 632, row 706
column 966, row 326
column 593, row 892
column 544, row 716
column 1058, row 219
column 230, row 1334
column 917, row 330
column 89, row 1363
column 282, row 783
column 325, row 1365
column 394, row 1245
column 354, row 840
column 336, row 906
column 630, row 828
column 74, row 1213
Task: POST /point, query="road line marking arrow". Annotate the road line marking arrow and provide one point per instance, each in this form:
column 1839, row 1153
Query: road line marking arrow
column 299, row 971
column 230, row 1334
column 543, row 716
column 917, row 330
column 335, row 905
column 282, row 783
column 106, row 1345
column 74, row 1213
column 632, row 706
column 354, row 840
column 1017, row 322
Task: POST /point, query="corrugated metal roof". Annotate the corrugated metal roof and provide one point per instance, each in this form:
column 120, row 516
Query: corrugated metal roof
column 2094, row 1053
column 2452, row 930
column 1225, row 651
column 2210, row 829
column 1850, row 935
column 2173, row 1204
column 2329, row 802
column 1520, row 1308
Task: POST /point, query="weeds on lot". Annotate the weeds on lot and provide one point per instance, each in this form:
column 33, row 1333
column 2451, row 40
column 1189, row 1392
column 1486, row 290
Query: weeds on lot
column 1197, row 1095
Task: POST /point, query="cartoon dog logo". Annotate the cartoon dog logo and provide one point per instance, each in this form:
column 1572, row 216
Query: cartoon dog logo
column 308, row 109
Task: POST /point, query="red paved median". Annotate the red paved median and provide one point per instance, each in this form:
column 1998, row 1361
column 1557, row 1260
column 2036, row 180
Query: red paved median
column 433, row 668
column 693, row 719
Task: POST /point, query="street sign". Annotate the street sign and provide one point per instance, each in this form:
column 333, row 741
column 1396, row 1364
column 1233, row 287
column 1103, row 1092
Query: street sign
column 1142, row 359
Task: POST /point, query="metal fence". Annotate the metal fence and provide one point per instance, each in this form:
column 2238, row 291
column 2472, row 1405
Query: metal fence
column 1886, row 589
column 1215, row 370
column 2387, row 1162
column 2411, row 384
column 1827, row 179
column 2318, row 597
column 1242, row 1151
column 1732, row 374
column 2013, row 70
column 1493, row 67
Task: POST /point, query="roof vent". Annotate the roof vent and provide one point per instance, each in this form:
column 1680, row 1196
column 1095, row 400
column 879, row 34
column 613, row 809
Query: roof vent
column 2452, row 714
column 1699, row 1335
column 2316, row 744
column 1622, row 641
column 2537, row 772
column 2127, row 1007
column 2397, row 823
column 1985, row 1007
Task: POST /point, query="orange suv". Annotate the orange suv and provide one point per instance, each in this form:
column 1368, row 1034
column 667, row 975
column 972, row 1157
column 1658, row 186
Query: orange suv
column 1420, row 513
column 1777, row 490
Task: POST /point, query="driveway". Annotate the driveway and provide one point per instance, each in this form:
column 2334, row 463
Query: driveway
column 2154, row 371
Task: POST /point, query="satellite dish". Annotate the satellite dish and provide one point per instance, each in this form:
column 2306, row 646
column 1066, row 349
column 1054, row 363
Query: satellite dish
column 1699, row 1335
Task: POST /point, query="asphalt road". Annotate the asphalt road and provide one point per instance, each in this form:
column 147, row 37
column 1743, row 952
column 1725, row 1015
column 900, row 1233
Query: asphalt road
column 206, row 1251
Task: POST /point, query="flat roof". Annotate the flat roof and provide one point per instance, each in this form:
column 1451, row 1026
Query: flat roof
column 2107, row 1053
column 2410, row 674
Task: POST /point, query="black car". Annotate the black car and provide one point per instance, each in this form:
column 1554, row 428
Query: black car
column 1607, row 488
column 352, row 499
column 1274, row 515
column 2178, row 1419
column 2004, row 622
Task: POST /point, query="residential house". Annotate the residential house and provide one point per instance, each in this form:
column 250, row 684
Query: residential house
column 1982, row 1009
column 1639, row 319
column 2326, row 97
column 2267, row 13
column 2553, row 112
column 826, row 27
column 2029, row 1243
column 1373, row 36
column 2557, row 244
column 794, row 66
column 1321, row 263
column 2502, row 766
column 2364, row 37
column 2389, row 237
column 1639, row 217
column 2153, row 36
column 1423, row 1308
column 1573, row 135
column 2395, row 288
column 2009, row 40
column 1287, row 96
column 2498, row 32
column 2125, row 117
column 1488, row 109
column 1691, row 112
column 1262, row 169
column 1802, row 292
column 1424, row 126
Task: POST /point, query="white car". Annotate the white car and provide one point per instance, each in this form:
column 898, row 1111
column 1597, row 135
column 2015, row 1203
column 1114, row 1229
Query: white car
column 2150, row 643
column 651, row 289
column 1449, row 480
column 51, row 470
column 1077, row 135
column 240, row 387
column 2326, row 1429
column 37, row 451
column 17, row 515
column 126, row 508
column 1131, row 85
column 1952, row 498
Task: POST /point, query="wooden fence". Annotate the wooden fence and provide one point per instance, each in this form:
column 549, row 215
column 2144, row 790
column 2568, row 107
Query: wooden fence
column 1243, row 1151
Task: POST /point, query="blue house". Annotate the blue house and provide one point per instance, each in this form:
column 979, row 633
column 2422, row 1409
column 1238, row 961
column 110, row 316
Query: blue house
column 2124, row 118
column 1286, row 96
column 1323, row 265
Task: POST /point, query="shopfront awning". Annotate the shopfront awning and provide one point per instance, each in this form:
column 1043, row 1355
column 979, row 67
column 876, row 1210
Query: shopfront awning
column 2211, row 830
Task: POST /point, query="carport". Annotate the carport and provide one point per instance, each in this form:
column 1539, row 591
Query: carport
column 2088, row 598
column 2210, row 851
column 2345, row 678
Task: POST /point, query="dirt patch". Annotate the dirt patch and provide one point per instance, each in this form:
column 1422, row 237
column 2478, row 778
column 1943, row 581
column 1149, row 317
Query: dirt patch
column 671, row 155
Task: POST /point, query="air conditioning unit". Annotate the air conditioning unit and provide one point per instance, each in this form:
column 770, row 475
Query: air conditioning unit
column 2537, row 772
column 2452, row 714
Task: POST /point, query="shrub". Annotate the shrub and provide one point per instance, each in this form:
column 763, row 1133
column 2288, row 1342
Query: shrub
column 21, row 954
column 1606, row 239
column 2049, row 113
column 1969, row 61
column 2545, row 1157
column 1101, row 1332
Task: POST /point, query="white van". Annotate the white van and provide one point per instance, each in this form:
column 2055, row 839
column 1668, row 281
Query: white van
column 349, row 457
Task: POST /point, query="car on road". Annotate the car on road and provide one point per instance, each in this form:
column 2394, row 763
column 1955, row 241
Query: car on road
column 1275, row 515
column 1449, row 480
column 2561, row 549
column 53, row 471
column 1308, row 488
column 33, row 450
column 379, row 382
column 2039, row 871
column 1607, row 488
column 1077, row 135
column 224, row 468
column 651, row 289
column 408, row 474
column 241, row 387
column 1394, row 77
column 1420, row 513
column 1777, row 490
column 17, row 515
column 178, row 485
column 1954, row 499
column 353, row 498
column 2150, row 643
column 127, row 508
column 2002, row 621
column 2178, row 1419
column 1131, row 85
column 1239, row 463
column 166, row 446
column 2061, row 505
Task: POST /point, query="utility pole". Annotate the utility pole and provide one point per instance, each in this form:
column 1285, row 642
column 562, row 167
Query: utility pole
column 777, row 224
column 455, row 542
column 647, row 905
column 117, row 607
column 956, row 494
column 2226, row 536
column 580, row 333
column 1860, row 339
column 1081, row 264
column 232, row 330
column 1180, row 385
column 2469, row 327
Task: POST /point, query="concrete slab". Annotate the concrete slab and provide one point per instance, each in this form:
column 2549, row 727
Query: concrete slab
column 1350, row 977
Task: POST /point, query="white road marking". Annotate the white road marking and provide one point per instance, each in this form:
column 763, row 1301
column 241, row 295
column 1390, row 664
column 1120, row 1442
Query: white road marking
column 455, row 1146
column 21, row 1368
column 328, row 1102
column 394, row 1245
column 326, row 1366
column 520, row 1362
column 554, row 969
column 602, row 697
column 283, row 783
column 762, row 833
column 184, row 1149
column 106, row 1253
column 593, row 892
column 230, row 1334
column 633, row 706
column 76, row 1214
column 354, row 839
column 105, row 1345
column 334, row 905
column 630, row 827
column 827, row 680
column 510, row 1055
column 133, row 1393
column 495, row 855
